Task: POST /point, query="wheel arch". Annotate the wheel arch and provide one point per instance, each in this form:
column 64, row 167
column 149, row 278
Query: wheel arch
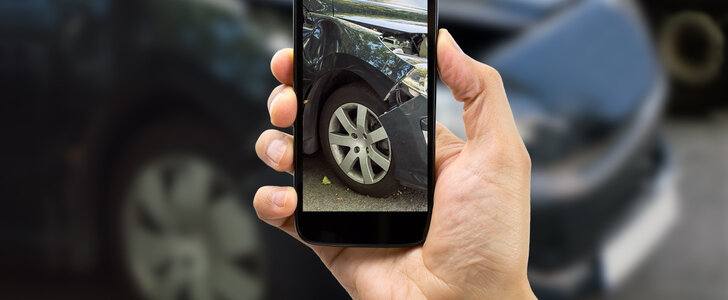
column 343, row 69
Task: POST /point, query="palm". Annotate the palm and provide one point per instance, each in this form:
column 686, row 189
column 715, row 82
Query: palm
column 384, row 272
column 377, row 273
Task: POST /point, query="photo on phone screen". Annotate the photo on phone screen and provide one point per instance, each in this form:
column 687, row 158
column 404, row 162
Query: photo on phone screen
column 365, row 120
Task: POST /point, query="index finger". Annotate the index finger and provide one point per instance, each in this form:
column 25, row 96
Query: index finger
column 282, row 66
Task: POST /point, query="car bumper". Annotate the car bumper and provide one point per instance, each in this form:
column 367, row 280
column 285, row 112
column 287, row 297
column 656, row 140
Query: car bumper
column 408, row 141
column 634, row 237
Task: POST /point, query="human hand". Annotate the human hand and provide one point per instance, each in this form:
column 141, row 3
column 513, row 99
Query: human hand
column 477, row 245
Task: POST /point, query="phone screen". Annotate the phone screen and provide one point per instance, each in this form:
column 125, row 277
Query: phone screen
column 364, row 85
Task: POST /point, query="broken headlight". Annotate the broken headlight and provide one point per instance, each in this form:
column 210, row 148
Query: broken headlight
column 412, row 86
column 415, row 45
column 415, row 83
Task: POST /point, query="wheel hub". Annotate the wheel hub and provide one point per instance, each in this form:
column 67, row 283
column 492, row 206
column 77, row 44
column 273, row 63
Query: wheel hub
column 359, row 144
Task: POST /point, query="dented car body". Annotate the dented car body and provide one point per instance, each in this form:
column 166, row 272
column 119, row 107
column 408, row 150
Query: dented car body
column 383, row 46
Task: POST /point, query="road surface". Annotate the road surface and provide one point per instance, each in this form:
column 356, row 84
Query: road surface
column 337, row 197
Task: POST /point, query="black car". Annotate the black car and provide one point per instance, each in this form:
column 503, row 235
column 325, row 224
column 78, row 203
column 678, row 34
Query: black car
column 365, row 85
column 128, row 129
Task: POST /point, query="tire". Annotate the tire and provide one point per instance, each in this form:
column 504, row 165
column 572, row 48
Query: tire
column 182, row 227
column 360, row 155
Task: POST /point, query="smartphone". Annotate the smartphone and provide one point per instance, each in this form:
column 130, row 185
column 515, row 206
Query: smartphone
column 364, row 75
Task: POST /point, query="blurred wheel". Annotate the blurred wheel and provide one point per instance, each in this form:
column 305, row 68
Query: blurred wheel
column 184, row 229
column 187, row 236
column 693, row 46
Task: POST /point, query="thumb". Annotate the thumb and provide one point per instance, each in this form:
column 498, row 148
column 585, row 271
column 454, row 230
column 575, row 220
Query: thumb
column 479, row 87
column 447, row 148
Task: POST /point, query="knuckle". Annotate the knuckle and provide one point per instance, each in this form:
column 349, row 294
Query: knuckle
column 487, row 78
column 490, row 74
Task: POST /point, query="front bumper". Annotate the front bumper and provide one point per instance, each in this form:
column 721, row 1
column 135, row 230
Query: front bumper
column 409, row 145
column 636, row 234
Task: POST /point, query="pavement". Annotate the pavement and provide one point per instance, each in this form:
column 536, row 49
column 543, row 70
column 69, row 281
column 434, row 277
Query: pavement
column 337, row 197
column 692, row 262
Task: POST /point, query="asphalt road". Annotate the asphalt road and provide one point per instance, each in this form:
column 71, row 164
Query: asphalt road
column 692, row 262
column 337, row 197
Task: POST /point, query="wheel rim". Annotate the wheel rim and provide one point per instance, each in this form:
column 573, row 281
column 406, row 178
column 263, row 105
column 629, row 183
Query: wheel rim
column 187, row 236
column 361, row 148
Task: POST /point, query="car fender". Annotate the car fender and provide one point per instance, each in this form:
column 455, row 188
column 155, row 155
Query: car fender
column 344, row 69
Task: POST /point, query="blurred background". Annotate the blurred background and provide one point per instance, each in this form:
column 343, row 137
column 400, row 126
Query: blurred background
column 127, row 130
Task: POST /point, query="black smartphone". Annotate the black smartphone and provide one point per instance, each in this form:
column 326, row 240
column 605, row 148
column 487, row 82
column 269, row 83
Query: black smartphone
column 364, row 133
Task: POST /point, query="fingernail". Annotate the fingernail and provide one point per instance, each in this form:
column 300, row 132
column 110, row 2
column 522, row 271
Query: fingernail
column 275, row 151
column 279, row 198
column 453, row 42
column 273, row 102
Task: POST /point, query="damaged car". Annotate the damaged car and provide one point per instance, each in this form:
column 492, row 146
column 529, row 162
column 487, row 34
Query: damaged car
column 365, row 89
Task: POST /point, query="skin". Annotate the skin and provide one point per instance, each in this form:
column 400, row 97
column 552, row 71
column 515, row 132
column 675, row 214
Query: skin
column 477, row 246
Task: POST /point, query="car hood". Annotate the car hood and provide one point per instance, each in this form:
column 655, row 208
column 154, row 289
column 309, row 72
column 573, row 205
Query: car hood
column 388, row 24
column 415, row 61
column 383, row 15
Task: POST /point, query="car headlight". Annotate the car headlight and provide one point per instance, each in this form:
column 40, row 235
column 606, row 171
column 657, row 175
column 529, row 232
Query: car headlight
column 416, row 81
column 414, row 45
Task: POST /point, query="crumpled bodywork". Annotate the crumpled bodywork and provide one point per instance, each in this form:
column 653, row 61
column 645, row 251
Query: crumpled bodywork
column 379, row 42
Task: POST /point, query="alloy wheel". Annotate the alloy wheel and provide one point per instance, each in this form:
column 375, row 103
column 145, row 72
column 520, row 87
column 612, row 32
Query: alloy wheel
column 359, row 144
column 187, row 236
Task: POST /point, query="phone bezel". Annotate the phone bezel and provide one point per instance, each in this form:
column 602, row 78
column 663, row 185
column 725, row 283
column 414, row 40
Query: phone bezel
column 373, row 229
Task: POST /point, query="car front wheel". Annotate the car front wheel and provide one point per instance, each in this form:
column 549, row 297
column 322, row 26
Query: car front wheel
column 354, row 142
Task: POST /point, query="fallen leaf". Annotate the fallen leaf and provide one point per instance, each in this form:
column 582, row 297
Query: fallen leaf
column 326, row 180
column 339, row 198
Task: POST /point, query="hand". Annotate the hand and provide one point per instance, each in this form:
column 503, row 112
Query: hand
column 477, row 246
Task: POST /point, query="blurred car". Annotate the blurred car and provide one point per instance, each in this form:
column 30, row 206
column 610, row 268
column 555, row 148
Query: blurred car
column 587, row 91
column 365, row 82
column 128, row 129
